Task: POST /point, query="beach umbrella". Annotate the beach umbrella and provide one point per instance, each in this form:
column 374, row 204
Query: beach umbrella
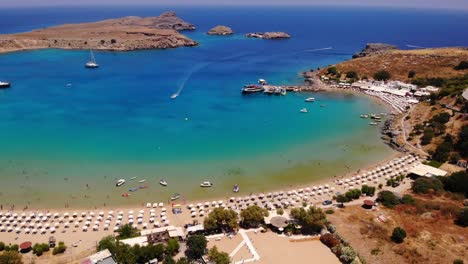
column 65, row 214
column 27, row 230
column 145, row 225
column 116, row 228
column 43, row 231
column 91, row 214
column 154, row 214
column 140, row 216
column 101, row 213
column 75, row 215
column 151, row 219
column 130, row 216
column 199, row 205
column 130, row 212
column 163, row 213
column 110, row 212
column 142, row 211
column 106, row 227
column 95, row 227
column 118, row 222
column 47, row 226
column 130, row 221
column 148, row 205
column 164, row 210
column 52, row 230
column 119, row 217
column 156, row 224
column 121, row 212
column 155, row 205
column 140, row 220
column 83, row 214
column 39, row 215
column 96, row 222
column 161, row 204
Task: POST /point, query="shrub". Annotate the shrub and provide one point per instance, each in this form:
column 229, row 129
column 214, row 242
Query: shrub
column 330, row 240
column 388, row 199
column 351, row 75
column 280, row 211
column 11, row 257
column 329, row 211
column 113, row 41
column 407, row 199
column 59, row 249
column 398, row 235
column 382, row 75
column 457, row 182
column 14, row 247
column 458, row 261
column 2, row 246
column 332, row 70
column 103, row 41
column 462, row 218
column 462, row 65
column 426, row 185
column 39, row 249
column 411, row 74
column 342, row 199
column 347, row 254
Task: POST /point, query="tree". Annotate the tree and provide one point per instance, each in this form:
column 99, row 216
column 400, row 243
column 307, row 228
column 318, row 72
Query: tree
column 342, row 199
column 11, row 257
column 311, row 221
column 39, row 249
column 113, row 41
column 218, row 257
column 280, row 211
column 169, row 260
column 332, row 71
column 398, row 235
column 330, row 240
column 388, row 199
column 462, row 218
column 440, row 118
column 458, row 261
column 221, row 220
column 457, row 182
column 127, row 231
column 59, row 249
column 196, row 247
column 347, row 254
column 107, row 242
column 411, row 74
column 426, row 185
column 253, row 216
column 2, row 246
column 351, row 75
column 382, row 75
column 172, row 247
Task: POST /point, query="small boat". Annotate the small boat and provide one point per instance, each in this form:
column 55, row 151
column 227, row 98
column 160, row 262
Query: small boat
column 364, row 116
column 132, row 178
column 133, row 189
column 262, row 81
column 174, row 96
column 252, row 88
column 323, row 105
column 304, row 110
column 163, row 182
column 125, row 195
column 373, row 123
column 5, row 84
column 143, row 187
column 283, row 91
column 120, row 182
column 376, row 117
column 141, row 181
column 206, row 184
column 175, row 196
column 235, row 188
column 92, row 63
column 68, row 85
column 310, row 99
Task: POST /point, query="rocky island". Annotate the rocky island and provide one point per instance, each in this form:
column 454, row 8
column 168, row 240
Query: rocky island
column 220, row 30
column 269, row 35
column 121, row 34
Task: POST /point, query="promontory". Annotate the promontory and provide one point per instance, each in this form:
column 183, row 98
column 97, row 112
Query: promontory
column 121, row 34
column 220, row 30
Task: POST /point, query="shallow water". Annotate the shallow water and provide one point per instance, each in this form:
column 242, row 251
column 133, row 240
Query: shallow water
column 118, row 121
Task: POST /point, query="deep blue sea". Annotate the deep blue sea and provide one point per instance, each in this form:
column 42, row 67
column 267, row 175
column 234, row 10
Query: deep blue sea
column 63, row 126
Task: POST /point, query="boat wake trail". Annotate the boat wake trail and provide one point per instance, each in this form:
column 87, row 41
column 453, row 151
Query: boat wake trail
column 200, row 66
column 327, row 48
column 414, row 46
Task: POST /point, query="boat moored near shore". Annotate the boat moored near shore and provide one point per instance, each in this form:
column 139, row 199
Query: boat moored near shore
column 206, row 184
column 235, row 188
column 120, row 182
column 310, row 99
column 92, row 63
column 163, row 182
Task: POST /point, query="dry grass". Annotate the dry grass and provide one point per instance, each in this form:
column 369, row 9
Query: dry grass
column 432, row 236
column 425, row 62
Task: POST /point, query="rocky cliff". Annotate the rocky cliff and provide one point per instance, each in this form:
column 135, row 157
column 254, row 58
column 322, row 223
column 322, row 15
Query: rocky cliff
column 374, row 48
column 220, row 30
column 269, row 35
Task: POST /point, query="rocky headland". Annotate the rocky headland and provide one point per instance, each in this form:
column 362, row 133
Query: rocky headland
column 220, row 30
column 374, row 48
column 121, row 34
column 269, row 35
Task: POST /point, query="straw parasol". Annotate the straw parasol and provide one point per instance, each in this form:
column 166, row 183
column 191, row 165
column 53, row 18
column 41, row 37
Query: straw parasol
column 279, row 221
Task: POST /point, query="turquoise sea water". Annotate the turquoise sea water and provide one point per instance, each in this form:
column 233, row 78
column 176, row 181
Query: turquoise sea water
column 118, row 121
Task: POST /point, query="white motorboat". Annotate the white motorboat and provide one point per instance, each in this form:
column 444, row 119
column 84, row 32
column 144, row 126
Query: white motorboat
column 174, row 96
column 206, row 184
column 163, row 182
column 304, row 110
column 141, row 181
column 5, row 84
column 310, row 99
column 120, row 182
column 364, row 116
column 92, row 63
column 373, row 123
column 262, row 82
column 175, row 196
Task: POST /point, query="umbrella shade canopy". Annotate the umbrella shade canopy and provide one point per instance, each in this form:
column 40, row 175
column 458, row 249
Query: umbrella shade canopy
column 279, row 222
column 369, row 202
column 25, row 245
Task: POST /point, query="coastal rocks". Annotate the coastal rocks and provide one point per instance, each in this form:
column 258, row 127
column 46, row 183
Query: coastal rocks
column 373, row 49
column 123, row 34
column 268, row 35
column 167, row 20
column 220, row 30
